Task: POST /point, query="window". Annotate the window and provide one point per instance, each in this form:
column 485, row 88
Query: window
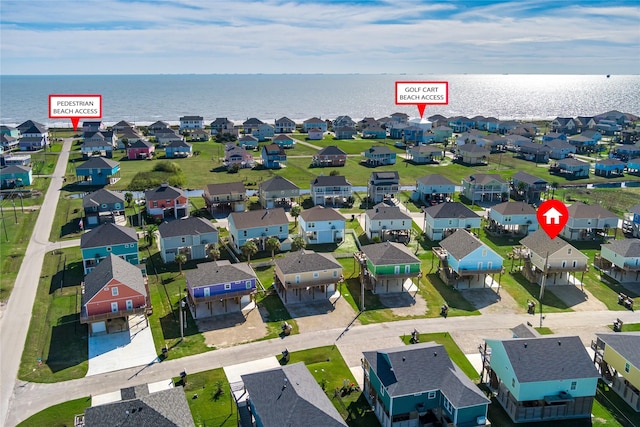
column 447, row 405
column 513, row 382
column 484, row 252
column 407, row 269
column 431, row 395
column 381, row 390
column 335, row 273
column 316, row 274
column 248, row 284
column 297, row 278
column 244, row 233
column 574, row 263
column 627, row 367
column 108, row 248
column 396, row 269
column 168, row 201
column 281, row 229
column 564, row 264
column 114, row 291
column 569, row 251
column 183, row 239
column 155, row 204
column 574, row 384
column 227, row 286
column 207, row 292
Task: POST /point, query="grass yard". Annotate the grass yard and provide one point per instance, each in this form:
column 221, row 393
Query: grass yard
column 56, row 344
column 66, row 222
column 61, row 415
column 454, row 352
column 618, row 410
column 214, row 404
column 330, row 370
column 629, row 327
column 14, row 239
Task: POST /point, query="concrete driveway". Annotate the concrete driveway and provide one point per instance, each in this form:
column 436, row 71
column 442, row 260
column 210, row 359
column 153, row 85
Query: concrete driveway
column 128, row 349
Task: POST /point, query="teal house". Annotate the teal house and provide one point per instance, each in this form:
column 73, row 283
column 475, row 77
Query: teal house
column 609, row 168
column 106, row 239
column 419, row 385
column 633, row 166
column 387, row 267
column 465, row 260
column 16, row 176
column 547, row 378
column 98, row 171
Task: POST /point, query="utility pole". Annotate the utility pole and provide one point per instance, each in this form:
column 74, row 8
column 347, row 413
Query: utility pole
column 544, row 281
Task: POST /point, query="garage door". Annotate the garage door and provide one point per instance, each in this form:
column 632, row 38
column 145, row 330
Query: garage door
column 98, row 328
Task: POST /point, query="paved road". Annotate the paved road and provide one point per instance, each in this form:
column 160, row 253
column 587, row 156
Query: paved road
column 30, row 398
column 15, row 320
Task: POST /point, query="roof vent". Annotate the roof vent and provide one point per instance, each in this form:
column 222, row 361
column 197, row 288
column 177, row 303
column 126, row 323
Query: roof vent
column 525, row 345
column 404, row 358
column 435, row 354
column 164, row 184
column 559, row 342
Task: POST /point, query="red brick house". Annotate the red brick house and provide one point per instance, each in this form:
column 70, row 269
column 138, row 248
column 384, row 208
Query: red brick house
column 167, row 202
column 140, row 150
column 112, row 292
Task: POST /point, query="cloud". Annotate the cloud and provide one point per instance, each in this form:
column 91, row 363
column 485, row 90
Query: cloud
column 188, row 36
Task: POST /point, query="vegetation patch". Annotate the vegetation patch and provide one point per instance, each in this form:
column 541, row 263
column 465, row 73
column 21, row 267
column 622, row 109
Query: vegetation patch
column 163, row 171
column 61, row 415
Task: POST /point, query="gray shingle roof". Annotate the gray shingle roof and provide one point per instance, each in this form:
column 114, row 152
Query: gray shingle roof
column 421, row 368
column 635, row 209
column 259, row 218
column 289, row 396
column 179, row 144
column 570, row 161
column 190, row 226
column 108, row 234
column 140, row 144
column 580, row 210
column 484, row 178
column 610, row 162
column 386, row 176
column 162, row 193
column 472, row 148
column 626, row 344
column 15, row 169
column 98, row 163
column 320, row 213
column 526, row 178
column 330, row 181
column 548, row 359
column 331, row 150
column 435, row 179
column 277, row 183
column 625, row 247
column 514, row 208
column 389, row 253
column 380, row 149
column 226, row 188
column 166, row 408
column 102, row 196
column 461, row 243
column 540, row 243
column 252, row 122
column 450, row 210
column 282, row 137
column 382, row 211
column 217, row 272
column 306, row 261
column 112, row 267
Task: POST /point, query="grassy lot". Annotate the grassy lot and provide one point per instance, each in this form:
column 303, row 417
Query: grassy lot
column 617, row 200
column 14, row 239
column 56, row 344
column 66, row 222
column 61, row 415
column 617, row 409
column 454, row 352
column 629, row 327
column 544, row 330
column 330, row 370
column 214, row 405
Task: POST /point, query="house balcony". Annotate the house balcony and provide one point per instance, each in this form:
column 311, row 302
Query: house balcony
column 86, row 318
column 221, row 296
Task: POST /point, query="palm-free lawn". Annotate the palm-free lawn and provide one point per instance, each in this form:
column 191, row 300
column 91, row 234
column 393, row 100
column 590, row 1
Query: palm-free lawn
column 61, row 415
column 330, row 370
column 214, row 404
column 56, row 344
column 66, row 221
column 14, row 239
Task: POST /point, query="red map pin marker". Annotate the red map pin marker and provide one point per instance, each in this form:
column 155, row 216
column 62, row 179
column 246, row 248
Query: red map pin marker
column 552, row 217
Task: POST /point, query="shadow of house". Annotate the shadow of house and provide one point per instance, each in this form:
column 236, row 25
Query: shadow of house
column 68, row 346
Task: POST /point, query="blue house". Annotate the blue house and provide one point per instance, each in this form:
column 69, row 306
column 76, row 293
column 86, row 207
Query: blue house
column 625, row 152
column 633, row 166
column 420, row 385
column 248, row 142
column 583, row 143
column 464, row 259
column 374, row 132
column 610, row 168
column 548, row 378
column 219, row 287
column 95, row 147
column 98, row 171
column 258, row 226
column 553, row 135
column 16, row 176
column 559, row 148
column 418, row 135
column 191, row 237
column 283, row 141
column 103, row 206
column 272, row 155
column 178, row 149
column 314, row 123
column 380, row 155
column 571, row 168
column 106, row 239
column 322, row 225
column 433, row 187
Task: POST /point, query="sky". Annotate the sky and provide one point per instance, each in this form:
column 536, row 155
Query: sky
column 323, row 36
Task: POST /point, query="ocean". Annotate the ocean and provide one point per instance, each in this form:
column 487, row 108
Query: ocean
column 143, row 99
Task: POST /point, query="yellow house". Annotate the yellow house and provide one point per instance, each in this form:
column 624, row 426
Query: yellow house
column 306, row 276
column 619, row 358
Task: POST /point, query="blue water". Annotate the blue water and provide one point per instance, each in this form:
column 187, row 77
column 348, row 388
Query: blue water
column 145, row 99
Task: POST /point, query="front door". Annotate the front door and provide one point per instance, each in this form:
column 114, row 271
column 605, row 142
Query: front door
column 114, row 307
column 207, row 292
